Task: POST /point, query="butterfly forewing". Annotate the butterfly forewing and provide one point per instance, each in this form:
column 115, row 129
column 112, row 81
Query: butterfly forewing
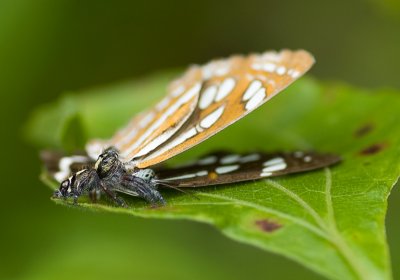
column 224, row 168
column 232, row 88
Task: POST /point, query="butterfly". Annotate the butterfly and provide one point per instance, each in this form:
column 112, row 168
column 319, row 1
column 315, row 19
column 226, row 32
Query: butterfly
column 199, row 104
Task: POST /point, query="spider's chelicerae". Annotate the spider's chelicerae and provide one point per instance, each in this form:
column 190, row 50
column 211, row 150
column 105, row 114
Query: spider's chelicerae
column 110, row 175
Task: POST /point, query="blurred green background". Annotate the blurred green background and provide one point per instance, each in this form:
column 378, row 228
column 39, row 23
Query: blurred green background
column 49, row 47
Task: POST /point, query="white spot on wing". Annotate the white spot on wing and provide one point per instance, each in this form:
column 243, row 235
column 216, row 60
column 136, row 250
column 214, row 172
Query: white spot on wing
column 276, row 167
column 307, row 159
column 265, row 174
column 272, row 56
column 225, row 88
column 275, row 164
column 209, row 120
column 281, row 70
column 269, row 67
column 178, row 91
column 186, row 135
column 202, row 173
column 250, row 158
column 251, row 90
column 256, row 99
column 192, row 92
column 293, row 73
column 207, row 71
column 207, row 97
column 216, row 68
column 221, row 70
column 296, row 74
column 198, row 128
column 226, row 169
column 186, row 176
column 274, row 161
column 208, row 160
column 230, row 159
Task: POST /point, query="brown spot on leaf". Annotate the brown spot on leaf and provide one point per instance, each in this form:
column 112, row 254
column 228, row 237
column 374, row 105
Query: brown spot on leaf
column 364, row 130
column 268, row 225
column 373, row 149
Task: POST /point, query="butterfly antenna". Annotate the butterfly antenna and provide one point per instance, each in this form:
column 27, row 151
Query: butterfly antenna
column 164, row 183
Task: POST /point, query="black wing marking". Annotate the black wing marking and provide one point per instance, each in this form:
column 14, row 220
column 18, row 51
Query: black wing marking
column 60, row 166
column 223, row 168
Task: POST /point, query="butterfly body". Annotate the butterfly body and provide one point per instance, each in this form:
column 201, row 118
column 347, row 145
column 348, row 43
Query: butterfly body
column 205, row 100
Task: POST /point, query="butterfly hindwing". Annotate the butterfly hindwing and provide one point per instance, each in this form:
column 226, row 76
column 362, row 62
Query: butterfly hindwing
column 224, row 168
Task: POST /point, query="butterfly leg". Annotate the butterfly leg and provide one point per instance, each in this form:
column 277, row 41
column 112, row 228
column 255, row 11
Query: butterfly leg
column 95, row 195
column 151, row 195
column 143, row 189
column 113, row 196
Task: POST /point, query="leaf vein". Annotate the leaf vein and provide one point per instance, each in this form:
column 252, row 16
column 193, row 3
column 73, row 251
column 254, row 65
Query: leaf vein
column 269, row 211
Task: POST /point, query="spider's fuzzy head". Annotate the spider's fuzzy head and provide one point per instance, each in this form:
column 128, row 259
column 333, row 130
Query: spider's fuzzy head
column 107, row 162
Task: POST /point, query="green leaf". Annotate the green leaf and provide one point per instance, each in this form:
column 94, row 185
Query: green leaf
column 331, row 220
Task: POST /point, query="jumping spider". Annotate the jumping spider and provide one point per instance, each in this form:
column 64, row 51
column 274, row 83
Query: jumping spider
column 110, row 175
